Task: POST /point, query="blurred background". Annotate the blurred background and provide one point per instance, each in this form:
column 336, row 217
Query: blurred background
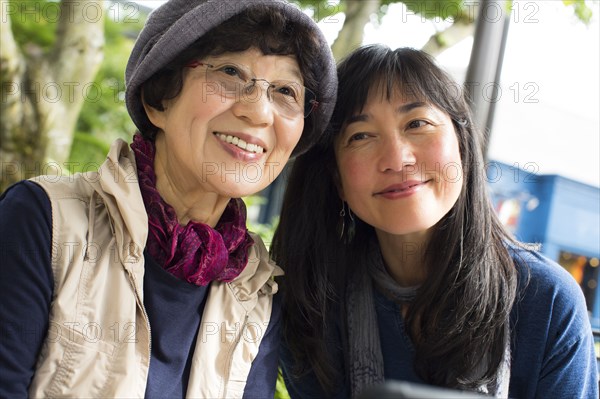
column 531, row 69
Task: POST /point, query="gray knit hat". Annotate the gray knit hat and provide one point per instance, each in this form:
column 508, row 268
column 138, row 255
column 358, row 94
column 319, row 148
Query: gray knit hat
column 177, row 24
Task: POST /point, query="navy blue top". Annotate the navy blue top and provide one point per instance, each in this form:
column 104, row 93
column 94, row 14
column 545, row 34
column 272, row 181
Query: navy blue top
column 552, row 343
column 174, row 307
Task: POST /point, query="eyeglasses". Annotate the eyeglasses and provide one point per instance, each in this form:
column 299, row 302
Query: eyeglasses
column 291, row 99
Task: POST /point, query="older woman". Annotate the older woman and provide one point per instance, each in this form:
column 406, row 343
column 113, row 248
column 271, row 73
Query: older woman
column 141, row 280
column 396, row 265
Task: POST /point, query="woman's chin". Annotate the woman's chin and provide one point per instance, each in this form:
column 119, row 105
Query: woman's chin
column 241, row 190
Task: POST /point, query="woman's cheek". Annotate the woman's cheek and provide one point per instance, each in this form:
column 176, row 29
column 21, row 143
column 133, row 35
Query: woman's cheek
column 354, row 172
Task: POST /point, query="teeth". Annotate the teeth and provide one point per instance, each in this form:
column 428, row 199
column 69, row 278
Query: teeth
column 240, row 143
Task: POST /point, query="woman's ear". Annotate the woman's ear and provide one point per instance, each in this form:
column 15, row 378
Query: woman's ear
column 156, row 116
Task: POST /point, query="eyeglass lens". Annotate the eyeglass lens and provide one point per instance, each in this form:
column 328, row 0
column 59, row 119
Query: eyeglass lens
column 290, row 98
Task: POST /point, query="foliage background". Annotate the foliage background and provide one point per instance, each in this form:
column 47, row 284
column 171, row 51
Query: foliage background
column 104, row 118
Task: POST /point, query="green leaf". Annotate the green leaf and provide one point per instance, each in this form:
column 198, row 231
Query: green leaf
column 33, row 24
column 280, row 389
column 87, row 153
column 581, row 10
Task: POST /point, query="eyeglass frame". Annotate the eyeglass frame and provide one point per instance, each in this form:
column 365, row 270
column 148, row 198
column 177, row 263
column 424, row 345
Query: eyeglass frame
column 314, row 104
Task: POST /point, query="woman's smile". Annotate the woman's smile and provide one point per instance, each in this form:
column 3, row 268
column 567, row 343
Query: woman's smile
column 241, row 143
column 402, row 190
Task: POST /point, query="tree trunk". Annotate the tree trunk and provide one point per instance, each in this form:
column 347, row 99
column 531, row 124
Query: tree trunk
column 42, row 95
column 358, row 14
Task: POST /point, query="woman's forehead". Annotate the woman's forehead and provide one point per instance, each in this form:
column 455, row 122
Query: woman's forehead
column 398, row 93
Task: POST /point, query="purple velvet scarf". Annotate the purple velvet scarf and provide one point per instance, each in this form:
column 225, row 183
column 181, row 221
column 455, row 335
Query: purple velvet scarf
column 195, row 253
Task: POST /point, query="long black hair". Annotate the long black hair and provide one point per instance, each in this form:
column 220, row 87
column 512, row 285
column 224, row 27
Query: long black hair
column 459, row 320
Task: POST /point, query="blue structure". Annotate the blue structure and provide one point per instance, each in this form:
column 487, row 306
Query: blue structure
column 560, row 214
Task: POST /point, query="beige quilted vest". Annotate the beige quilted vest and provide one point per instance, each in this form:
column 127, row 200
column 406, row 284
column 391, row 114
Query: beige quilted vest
column 98, row 343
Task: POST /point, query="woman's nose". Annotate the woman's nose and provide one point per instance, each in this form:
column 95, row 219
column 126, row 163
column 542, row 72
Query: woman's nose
column 395, row 155
column 255, row 105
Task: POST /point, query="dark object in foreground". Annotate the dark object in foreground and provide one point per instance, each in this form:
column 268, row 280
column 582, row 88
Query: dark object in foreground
column 397, row 390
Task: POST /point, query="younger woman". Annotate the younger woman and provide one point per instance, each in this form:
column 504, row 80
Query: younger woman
column 396, row 265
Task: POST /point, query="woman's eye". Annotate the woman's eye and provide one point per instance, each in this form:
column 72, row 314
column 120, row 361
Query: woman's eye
column 231, row 70
column 357, row 137
column 286, row 91
column 417, row 123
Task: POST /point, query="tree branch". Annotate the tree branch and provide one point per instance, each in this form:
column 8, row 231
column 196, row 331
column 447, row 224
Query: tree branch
column 450, row 36
column 462, row 27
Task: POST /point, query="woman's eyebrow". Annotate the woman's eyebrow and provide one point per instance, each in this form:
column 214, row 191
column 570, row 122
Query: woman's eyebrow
column 403, row 109
column 357, row 118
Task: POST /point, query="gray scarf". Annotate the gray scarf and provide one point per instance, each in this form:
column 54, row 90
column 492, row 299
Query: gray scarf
column 365, row 357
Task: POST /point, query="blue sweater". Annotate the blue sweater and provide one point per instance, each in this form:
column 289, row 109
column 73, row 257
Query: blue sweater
column 552, row 343
column 174, row 307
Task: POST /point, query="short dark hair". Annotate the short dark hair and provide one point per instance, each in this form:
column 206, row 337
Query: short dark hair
column 267, row 29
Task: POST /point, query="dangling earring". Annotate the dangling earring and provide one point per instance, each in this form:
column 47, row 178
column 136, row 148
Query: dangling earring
column 341, row 221
column 346, row 233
